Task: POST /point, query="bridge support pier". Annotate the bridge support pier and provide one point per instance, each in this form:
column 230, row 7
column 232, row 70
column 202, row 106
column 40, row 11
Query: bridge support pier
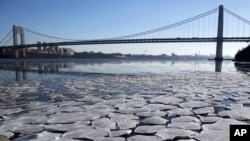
column 219, row 46
column 18, row 30
column 20, row 53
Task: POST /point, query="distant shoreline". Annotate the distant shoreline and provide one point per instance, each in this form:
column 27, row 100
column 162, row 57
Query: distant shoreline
column 101, row 59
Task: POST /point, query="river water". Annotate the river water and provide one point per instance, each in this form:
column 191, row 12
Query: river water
column 121, row 99
column 77, row 69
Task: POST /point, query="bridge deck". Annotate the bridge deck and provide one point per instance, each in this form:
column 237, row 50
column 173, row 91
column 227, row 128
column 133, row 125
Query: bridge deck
column 126, row 41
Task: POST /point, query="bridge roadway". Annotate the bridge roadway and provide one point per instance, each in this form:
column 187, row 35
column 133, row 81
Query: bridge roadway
column 126, row 41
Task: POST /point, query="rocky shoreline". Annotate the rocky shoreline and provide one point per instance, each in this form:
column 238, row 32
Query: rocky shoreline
column 187, row 106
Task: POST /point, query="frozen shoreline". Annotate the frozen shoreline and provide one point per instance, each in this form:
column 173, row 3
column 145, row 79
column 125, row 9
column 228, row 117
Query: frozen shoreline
column 192, row 106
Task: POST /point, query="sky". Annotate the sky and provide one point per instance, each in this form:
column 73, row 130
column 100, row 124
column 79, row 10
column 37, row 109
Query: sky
column 95, row 19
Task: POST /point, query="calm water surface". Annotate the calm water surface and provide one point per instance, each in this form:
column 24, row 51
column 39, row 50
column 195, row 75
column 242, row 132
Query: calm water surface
column 79, row 69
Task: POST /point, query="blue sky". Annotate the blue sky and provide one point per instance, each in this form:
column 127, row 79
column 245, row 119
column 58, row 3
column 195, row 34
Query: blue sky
column 88, row 19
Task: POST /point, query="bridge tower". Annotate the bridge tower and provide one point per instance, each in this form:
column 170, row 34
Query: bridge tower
column 219, row 46
column 18, row 30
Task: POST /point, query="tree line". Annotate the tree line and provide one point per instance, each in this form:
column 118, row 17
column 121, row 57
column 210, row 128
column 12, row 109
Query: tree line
column 243, row 54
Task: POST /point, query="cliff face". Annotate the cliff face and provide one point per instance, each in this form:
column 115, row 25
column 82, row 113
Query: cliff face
column 243, row 55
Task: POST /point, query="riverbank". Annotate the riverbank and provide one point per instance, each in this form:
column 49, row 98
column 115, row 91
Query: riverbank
column 195, row 105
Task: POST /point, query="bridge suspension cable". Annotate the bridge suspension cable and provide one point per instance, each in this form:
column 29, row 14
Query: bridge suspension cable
column 9, row 33
column 236, row 25
column 48, row 36
column 237, row 16
column 8, row 41
column 168, row 26
column 184, row 29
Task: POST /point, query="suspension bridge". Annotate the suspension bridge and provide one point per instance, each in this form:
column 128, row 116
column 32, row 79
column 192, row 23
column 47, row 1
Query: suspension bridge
column 218, row 25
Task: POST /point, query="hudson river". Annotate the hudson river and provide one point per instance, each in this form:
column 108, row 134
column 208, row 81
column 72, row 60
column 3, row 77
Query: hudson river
column 134, row 100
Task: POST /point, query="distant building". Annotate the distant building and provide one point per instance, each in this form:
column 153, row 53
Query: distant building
column 68, row 51
column 43, row 48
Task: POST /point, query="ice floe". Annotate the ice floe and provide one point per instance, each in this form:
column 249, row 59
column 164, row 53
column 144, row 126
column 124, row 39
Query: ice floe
column 205, row 110
column 185, row 119
column 172, row 133
column 149, row 129
column 103, row 123
column 185, row 125
column 65, row 118
column 62, row 128
column 7, row 134
column 90, row 134
column 209, row 119
column 154, row 120
column 166, row 100
column 127, row 124
column 179, row 112
column 239, row 113
column 194, row 104
column 119, row 133
column 144, row 138
column 150, row 114
column 221, row 125
column 213, row 136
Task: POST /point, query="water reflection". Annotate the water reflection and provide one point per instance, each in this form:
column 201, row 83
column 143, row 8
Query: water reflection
column 24, row 68
column 18, row 75
column 218, row 66
column 243, row 68
column 20, row 70
column 32, row 69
